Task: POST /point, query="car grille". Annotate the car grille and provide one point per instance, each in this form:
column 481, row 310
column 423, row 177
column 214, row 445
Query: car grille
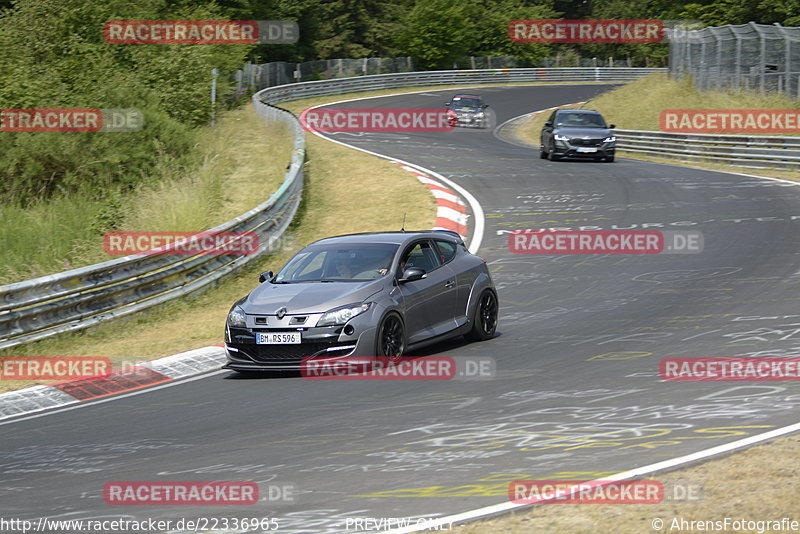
column 585, row 142
column 284, row 353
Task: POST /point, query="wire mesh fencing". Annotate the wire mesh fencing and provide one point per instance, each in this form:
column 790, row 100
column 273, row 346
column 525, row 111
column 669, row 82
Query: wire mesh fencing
column 746, row 56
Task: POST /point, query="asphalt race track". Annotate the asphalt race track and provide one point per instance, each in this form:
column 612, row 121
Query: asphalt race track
column 576, row 393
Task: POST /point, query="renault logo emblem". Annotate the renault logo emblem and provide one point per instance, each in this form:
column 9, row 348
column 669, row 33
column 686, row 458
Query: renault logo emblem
column 281, row 313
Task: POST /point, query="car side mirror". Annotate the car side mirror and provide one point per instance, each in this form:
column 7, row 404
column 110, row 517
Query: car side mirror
column 485, row 106
column 412, row 274
column 447, row 104
column 548, row 124
column 263, row 277
column 612, row 126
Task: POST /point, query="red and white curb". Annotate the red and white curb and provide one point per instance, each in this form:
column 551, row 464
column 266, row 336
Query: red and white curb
column 147, row 374
column 451, row 214
column 451, row 211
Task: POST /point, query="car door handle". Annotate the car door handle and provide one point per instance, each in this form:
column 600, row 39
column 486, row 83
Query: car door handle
column 449, row 284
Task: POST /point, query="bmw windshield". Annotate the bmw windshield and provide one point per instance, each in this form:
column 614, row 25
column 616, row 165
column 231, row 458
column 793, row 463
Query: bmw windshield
column 338, row 263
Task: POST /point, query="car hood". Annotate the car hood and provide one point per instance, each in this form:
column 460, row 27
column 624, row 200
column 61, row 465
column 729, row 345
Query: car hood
column 467, row 110
column 594, row 133
column 307, row 298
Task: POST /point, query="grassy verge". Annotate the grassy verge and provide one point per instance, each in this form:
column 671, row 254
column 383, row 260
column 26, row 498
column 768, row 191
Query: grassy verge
column 637, row 106
column 759, row 483
column 346, row 191
column 231, row 171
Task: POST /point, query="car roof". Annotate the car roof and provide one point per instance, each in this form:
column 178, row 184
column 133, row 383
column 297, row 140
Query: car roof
column 394, row 238
column 584, row 111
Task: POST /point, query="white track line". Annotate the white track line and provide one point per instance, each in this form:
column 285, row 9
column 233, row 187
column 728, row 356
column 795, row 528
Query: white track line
column 633, row 473
column 475, row 206
column 506, row 507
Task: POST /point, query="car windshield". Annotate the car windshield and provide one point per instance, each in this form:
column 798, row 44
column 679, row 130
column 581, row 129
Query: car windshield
column 466, row 102
column 581, row 120
column 338, row 263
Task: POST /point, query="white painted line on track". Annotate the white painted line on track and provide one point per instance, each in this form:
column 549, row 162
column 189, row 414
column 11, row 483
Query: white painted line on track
column 505, row 507
column 475, row 206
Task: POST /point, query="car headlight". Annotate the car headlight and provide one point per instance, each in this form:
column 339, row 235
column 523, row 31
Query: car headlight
column 558, row 137
column 237, row 317
column 341, row 315
column 610, row 139
column 479, row 115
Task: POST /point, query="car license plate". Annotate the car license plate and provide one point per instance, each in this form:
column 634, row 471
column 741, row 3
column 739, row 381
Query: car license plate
column 586, row 149
column 278, row 338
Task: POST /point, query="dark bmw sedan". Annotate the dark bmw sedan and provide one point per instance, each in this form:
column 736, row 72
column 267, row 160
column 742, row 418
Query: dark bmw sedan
column 373, row 295
column 577, row 133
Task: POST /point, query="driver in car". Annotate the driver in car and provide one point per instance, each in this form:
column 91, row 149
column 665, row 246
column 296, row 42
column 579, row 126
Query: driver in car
column 343, row 266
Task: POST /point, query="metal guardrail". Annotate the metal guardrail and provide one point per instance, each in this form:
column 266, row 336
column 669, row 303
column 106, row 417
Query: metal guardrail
column 76, row 299
column 294, row 91
column 79, row 298
column 759, row 152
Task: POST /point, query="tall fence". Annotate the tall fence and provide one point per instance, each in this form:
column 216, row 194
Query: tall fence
column 746, row 56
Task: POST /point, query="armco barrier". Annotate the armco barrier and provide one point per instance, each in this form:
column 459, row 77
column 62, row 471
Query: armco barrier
column 80, row 298
column 754, row 151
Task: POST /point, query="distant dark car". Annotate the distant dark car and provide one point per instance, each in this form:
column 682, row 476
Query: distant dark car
column 467, row 110
column 577, row 133
column 376, row 294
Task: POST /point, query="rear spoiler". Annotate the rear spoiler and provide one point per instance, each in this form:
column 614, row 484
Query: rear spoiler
column 451, row 233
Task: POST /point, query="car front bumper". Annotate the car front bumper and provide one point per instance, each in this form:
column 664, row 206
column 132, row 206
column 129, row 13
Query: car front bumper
column 318, row 343
column 466, row 120
column 565, row 149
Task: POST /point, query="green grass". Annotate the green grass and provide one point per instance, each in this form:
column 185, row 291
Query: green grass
column 345, row 191
column 232, row 170
column 637, row 106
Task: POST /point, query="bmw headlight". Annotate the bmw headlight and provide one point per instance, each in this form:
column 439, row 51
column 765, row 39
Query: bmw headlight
column 237, row 318
column 609, row 139
column 558, row 137
column 341, row 315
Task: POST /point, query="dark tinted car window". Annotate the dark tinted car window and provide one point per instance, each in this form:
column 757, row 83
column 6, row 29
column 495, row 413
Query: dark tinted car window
column 466, row 102
column 341, row 262
column 581, row 120
column 423, row 256
column 447, row 250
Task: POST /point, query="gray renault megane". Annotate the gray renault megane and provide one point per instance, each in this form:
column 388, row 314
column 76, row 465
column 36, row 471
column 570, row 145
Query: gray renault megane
column 374, row 294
